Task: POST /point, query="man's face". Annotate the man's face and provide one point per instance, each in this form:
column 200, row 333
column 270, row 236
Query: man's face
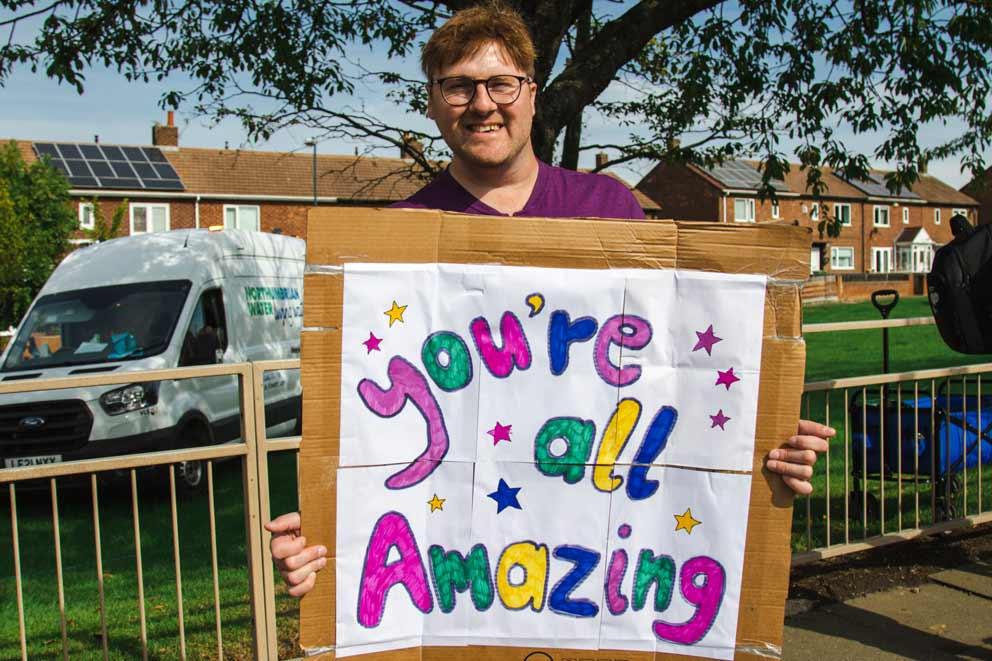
column 484, row 134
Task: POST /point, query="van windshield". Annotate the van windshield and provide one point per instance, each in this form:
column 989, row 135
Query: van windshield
column 102, row 324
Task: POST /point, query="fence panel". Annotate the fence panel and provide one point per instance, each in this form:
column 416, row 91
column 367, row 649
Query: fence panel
column 143, row 540
column 915, row 455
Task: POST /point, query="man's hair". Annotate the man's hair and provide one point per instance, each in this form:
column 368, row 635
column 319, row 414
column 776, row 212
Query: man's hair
column 470, row 30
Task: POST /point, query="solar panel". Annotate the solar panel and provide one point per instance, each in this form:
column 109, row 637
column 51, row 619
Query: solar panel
column 110, row 166
column 738, row 174
column 875, row 186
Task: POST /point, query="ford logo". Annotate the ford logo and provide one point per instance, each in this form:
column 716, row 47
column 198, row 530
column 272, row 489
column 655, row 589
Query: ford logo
column 31, row 422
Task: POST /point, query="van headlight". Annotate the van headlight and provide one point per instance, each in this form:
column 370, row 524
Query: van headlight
column 134, row 397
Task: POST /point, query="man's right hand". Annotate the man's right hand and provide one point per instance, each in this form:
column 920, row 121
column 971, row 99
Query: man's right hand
column 297, row 562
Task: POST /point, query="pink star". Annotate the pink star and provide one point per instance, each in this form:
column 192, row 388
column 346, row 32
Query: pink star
column 706, row 341
column 500, row 433
column 719, row 420
column 372, row 344
column 726, row 378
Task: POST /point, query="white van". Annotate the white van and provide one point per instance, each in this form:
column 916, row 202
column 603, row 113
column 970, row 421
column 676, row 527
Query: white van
column 154, row 301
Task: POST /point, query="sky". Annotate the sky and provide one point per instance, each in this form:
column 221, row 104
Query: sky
column 34, row 107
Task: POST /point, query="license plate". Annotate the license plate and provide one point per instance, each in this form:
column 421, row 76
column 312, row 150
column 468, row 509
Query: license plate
column 19, row 462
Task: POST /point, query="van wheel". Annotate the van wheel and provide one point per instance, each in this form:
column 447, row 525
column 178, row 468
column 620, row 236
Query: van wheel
column 191, row 476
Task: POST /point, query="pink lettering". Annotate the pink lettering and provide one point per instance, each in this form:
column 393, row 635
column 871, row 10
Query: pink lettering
column 706, row 597
column 627, row 331
column 514, row 352
column 378, row 576
column 615, row 600
column 408, row 383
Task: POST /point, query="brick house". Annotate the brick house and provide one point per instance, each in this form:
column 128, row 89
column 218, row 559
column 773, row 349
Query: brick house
column 882, row 232
column 980, row 188
column 170, row 187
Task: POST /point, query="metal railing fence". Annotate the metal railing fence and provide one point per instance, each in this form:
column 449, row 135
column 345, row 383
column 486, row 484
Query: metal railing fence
column 253, row 451
column 909, row 458
column 853, row 507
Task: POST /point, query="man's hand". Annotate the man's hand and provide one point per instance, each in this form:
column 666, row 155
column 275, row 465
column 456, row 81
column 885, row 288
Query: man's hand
column 297, row 562
column 795, row 463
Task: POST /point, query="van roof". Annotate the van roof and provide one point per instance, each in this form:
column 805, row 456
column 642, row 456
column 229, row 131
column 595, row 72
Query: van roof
column 177, row 255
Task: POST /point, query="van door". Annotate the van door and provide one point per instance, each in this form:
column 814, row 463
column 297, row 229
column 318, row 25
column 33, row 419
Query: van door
column 205, row 343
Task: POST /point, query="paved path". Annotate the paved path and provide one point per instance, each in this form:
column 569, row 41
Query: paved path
column 948, row 618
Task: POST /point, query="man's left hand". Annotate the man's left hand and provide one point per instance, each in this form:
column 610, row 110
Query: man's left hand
column 795, row 462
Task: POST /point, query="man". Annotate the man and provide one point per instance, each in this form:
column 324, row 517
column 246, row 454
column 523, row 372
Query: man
column 480, row 67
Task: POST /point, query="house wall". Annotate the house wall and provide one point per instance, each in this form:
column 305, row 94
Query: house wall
column 980, row 188
column 861, row 234
column 288, row 218
column 682, row 193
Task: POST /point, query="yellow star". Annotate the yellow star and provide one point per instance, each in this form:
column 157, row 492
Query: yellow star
column 686, row 522
column 436, row 503
column 395, row 313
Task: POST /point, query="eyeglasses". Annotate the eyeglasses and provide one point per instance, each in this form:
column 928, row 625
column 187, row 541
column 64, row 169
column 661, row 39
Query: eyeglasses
column 460, row 90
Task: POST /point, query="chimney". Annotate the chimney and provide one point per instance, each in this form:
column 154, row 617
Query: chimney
column 168, row 135
column 411, row 147
column 602, row 158
column 923, row 167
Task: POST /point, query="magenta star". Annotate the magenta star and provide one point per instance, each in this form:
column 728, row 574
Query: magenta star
column 706, row 341
column 372, row 344
column 726, row 378
column 719, row 420
column 500, row 433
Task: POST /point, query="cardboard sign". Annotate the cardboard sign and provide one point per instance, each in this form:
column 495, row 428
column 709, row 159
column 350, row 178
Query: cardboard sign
column 532, row 446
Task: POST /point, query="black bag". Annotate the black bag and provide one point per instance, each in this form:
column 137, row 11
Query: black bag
column 960, row 288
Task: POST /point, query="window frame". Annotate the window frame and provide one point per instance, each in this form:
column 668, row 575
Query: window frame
column 847, row 205
column 905, row 215
column 148, row 205
column 963, row 212
column 237, row 215
column 875, row 214
column 936, row 216
column 877, row 250
column 749, row 204
column 83, row 207
column 776, row 210
column 833, row 262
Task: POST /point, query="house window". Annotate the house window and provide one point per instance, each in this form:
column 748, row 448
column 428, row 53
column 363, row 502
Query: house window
column 881, row 260
column 814, row 211
column 963, row 212
column 842, row 259
column 905, row 215
column 86, row 215
column 936, row 216
column 775, row 209
column 241, row 217
column 147, row 218
column 881, row 216
column 744, row 210
column 842, row 212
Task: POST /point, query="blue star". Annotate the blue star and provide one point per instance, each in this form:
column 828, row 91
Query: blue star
column 505, row 496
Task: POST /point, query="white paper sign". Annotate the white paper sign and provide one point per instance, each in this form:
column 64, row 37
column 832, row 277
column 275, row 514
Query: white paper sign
column 528, row 457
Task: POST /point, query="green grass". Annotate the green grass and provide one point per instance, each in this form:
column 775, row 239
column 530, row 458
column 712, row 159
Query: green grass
column 830, row 355
column 38, row 564
column 859, row 353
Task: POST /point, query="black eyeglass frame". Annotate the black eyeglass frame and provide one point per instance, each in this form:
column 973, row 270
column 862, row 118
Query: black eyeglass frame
column 521, row 80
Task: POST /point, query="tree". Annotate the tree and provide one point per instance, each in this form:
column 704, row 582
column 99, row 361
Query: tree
column 35, row 223
column 692, row 80
column 104, row 230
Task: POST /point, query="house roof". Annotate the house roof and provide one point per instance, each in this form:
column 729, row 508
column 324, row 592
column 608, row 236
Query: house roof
column 290, row 174
column 243, row 172
column 928, row 188
column 911, row 234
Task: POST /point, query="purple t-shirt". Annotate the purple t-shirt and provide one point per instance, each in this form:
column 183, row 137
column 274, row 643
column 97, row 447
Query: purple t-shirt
column 558, row 193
